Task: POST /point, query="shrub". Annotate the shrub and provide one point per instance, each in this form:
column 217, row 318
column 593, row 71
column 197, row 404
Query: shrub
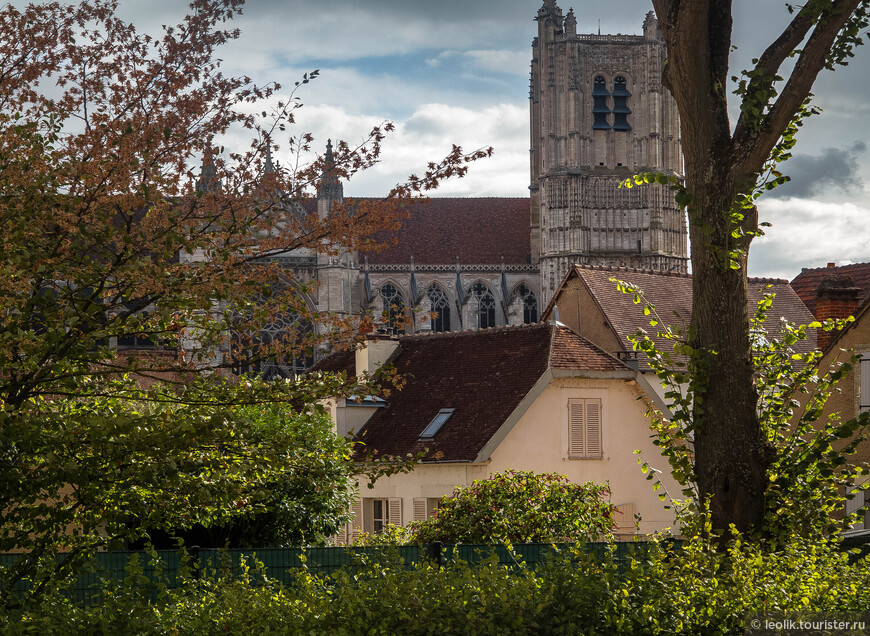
column 662, row 589
column 521, row 507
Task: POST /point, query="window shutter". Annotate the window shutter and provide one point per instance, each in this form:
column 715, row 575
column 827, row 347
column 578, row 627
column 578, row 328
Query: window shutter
column 625, row 521
column 864, row 398
column 593, row 428
column 395, row 511
column 356, row 525
column 420, row 511
column 855, row 504
column 576, row 447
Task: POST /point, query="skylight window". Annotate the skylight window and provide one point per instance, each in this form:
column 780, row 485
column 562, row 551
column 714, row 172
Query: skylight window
column 437, row 422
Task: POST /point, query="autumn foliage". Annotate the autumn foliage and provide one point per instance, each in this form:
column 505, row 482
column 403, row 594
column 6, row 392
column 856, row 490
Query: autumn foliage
column 111, row 232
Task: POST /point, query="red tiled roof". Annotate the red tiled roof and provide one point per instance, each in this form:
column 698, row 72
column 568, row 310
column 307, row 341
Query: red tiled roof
column 806, row 284
column 338, row 362
column 478, row 230
column 570, row 351
column 671, row 295
column 483, row 374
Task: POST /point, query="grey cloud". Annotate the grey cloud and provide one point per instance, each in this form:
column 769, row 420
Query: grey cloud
column 833, row 168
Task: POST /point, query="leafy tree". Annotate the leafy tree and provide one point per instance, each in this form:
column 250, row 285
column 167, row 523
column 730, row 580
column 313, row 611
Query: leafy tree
column 105, row 236
column 309, row 495
column 521, row 507
column 810, row 466
column 727, row 168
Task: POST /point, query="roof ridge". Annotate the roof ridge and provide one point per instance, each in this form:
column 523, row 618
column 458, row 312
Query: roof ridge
column 654, row 272
column 631, row 270
column 765, row 279
column 419, row 335
column 825, row 267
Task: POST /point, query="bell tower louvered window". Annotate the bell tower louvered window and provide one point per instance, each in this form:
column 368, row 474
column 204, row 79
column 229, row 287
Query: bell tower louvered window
column 600, row 109
column 621, row 111
column 584, row 429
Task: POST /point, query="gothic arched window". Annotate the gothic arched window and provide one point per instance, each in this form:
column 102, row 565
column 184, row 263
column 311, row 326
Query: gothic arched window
column 394, row 308
column 621, row 111
column 530, row 303
column 441, row 306
column 253, row 352
column 485, row 310
column 600, row 110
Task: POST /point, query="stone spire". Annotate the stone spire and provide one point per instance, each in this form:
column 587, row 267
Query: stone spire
column 330, row 187
column 268, row 167
column 208, row 181
column 570, row 23
column 550, row 12
column 651, row 29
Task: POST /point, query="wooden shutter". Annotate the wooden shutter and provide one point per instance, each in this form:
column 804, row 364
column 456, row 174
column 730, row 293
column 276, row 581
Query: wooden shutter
column 576, row 426
column 593, row 428
column 420, row 509
column 584, row 428
column 395, row 511
column 864, row 391
column 356, row 525
column 625, row 521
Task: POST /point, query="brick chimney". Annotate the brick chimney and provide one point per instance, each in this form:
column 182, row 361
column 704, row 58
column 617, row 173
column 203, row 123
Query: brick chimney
column 836, row 297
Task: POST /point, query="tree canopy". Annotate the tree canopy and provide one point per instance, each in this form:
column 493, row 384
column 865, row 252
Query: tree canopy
column 109, row 234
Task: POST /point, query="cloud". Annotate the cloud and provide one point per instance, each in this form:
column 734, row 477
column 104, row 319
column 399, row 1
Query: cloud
column 501, row 60
column 809, row 233
column 426, row 135
column 832, row 169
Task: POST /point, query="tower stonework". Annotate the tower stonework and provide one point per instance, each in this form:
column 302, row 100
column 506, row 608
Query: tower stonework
column 599, row 114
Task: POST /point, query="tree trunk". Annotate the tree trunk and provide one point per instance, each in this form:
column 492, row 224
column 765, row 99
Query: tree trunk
column 730, row 459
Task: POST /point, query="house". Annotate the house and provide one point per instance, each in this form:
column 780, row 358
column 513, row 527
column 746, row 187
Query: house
column 589, row 302
column 806, row 284
column 535, row 397
column 835, row 294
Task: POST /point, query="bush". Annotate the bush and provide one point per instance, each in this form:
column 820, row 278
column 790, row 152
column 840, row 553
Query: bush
column 664, row 589
column 521, row 507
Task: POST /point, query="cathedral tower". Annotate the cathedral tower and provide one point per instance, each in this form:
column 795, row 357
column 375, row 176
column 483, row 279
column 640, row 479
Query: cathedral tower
column 599, row 114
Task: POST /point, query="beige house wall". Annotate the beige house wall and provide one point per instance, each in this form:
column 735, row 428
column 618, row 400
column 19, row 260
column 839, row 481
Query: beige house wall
column 538, row 442
column 847, row 400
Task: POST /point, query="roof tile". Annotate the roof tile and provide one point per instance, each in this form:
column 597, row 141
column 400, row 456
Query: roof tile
column 806, row 284
column 477, row 230
column 483, row 375
column 671, row 295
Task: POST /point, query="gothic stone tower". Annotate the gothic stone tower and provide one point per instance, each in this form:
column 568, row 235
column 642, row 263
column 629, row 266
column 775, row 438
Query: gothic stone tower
column 599, row 114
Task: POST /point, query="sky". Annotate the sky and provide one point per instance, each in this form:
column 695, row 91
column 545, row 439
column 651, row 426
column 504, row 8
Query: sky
column 457, row 72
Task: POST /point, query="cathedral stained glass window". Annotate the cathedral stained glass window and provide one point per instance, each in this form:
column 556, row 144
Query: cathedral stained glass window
column 484, row 311
column 394, row 308
column 440, row 305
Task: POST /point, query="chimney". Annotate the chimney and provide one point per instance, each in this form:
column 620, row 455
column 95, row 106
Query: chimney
column 836, row 297
column 374, row 353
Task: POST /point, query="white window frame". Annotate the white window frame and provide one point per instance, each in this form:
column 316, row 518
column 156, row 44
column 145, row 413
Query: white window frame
column 390, row 513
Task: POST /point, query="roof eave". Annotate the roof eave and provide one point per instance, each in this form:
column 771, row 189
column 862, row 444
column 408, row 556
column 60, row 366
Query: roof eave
column 590, row 374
